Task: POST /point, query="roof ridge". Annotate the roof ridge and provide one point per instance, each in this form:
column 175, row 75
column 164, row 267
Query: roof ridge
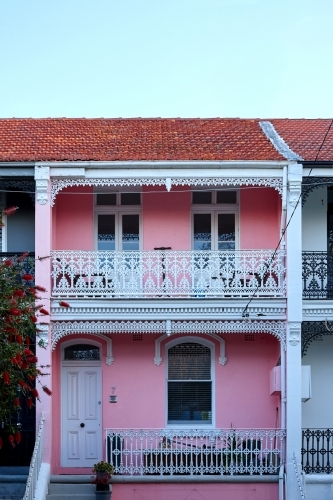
column 278, row 142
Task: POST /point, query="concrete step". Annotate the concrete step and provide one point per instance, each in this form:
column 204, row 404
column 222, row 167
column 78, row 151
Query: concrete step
column 12, row 482
column 63, row 488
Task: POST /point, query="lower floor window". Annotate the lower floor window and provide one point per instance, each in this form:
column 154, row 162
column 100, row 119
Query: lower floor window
column 189, row 384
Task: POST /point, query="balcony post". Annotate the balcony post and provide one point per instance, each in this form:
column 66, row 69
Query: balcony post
column 43, row 228
column 294, row 322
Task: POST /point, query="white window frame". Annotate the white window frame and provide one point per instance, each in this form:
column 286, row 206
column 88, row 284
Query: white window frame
column 211, row 346
column 207, row 209
column 118, row 223
column 76, row 362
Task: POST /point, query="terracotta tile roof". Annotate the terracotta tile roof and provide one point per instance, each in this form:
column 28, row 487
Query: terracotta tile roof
column 101, row 139
column 305, row 136
column 75, row 139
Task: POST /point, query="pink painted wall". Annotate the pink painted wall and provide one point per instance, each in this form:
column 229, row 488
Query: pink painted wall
column 242, row 386
column 166, row 218
column 195, row 491
column 74, row 214
column 260, row 211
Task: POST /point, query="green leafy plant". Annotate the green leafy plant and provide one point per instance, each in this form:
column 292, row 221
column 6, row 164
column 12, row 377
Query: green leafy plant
column 103, row 471
column 19, row 372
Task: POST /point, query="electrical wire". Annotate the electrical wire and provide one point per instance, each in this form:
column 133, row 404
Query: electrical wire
column 245, row 313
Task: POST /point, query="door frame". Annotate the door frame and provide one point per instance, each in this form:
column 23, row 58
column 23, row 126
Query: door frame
column 73, row 363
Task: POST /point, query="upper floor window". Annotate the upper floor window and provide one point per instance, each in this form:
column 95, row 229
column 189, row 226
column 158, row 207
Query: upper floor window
column 189, row 383
column 214, row 220
column 118, row 220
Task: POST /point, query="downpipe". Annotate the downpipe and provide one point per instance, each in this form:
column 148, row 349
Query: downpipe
column 281, row 482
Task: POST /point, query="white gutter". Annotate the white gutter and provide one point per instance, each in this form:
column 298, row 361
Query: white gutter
column 164, row 164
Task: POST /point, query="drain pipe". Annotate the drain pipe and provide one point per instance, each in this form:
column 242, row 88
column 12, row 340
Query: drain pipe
column 283, row 398
column 281, row 482
column 284, row 207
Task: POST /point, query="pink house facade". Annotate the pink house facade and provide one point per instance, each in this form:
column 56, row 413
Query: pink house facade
column 178, row 359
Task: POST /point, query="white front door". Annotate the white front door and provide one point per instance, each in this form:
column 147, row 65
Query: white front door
column 81, row 415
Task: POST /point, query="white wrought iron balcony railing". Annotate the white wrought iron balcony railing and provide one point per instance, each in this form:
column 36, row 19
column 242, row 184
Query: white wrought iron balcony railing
column 159, row 274
column 200, row 451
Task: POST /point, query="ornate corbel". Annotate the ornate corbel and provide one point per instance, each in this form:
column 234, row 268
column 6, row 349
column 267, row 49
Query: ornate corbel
column 42, row 175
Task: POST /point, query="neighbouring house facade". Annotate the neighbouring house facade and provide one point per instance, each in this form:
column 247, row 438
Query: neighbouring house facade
column 177, row 245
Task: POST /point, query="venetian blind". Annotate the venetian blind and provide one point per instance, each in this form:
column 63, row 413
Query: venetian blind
column 189, row 383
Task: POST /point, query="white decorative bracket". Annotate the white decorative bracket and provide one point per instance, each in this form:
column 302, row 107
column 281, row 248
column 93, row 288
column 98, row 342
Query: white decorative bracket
column 42, row 175
column 43, row 333
column 294, row 333
column 294, row 184
column 222, row 358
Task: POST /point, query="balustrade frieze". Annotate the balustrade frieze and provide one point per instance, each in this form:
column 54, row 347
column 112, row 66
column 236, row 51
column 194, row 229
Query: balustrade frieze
column 199, row 451
column 317, row 451
column 159, row 274
column 317, row 275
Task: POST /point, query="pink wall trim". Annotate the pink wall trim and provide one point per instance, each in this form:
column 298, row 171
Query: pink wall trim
column 74, row 219
column 166, row 218
column 260, row 211
column 195, row 491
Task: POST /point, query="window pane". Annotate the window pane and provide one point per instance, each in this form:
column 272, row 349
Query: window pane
column 202, row 232
column 130, row 198
column 82, row 352
column 226, row 231
column 106, row 238
column 130, row 236
column 190, row 401
column 189, row 383
column 201, row 197
column 189, row 361
column 107, row 199
column 226, row 197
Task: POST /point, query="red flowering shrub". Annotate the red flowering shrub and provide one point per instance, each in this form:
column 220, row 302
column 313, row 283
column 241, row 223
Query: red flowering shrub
column 18, row 335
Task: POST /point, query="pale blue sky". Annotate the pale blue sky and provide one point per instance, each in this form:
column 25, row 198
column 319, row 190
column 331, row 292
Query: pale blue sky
column 168, row 58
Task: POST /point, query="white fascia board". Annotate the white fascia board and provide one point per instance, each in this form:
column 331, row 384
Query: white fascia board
column 173, row 170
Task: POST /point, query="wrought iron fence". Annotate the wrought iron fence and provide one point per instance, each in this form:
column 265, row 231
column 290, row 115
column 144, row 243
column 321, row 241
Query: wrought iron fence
column 317, row 451
column 317, row 275
column 199, row 452
column 155, row 274
column 35, row 464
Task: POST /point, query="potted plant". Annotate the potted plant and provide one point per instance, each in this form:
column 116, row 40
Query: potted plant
column 103, row 471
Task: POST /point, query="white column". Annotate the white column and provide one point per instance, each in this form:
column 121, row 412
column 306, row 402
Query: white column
column 43, row 228
column 294, row 318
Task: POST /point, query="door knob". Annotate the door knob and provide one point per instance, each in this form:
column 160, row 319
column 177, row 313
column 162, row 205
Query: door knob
column 82, row 425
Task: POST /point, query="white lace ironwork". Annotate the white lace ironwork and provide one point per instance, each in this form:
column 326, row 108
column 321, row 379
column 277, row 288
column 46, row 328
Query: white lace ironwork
column 195, row 451
column 58, row 184
column 158, row 274
column 35, row 464
column 60, row 329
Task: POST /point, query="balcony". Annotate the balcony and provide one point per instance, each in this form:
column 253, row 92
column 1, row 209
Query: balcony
column 138, row 452
column 317, row 275
column 168, row 274
column 317, row 451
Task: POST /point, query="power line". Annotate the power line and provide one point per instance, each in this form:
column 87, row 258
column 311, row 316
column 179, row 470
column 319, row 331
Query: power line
column 245, row 313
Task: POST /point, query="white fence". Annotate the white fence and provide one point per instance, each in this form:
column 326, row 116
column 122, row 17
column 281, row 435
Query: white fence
column 200, row 452
column 35, row 463
column 156, row 274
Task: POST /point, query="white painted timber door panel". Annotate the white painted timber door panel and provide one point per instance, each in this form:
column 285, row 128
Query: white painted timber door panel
column 81, row 416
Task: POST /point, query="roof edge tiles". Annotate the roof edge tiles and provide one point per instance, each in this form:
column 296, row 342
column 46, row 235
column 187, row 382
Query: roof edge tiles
column 280, row 145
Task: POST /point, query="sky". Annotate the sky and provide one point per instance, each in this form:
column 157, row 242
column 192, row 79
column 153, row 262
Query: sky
column 166, row 58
